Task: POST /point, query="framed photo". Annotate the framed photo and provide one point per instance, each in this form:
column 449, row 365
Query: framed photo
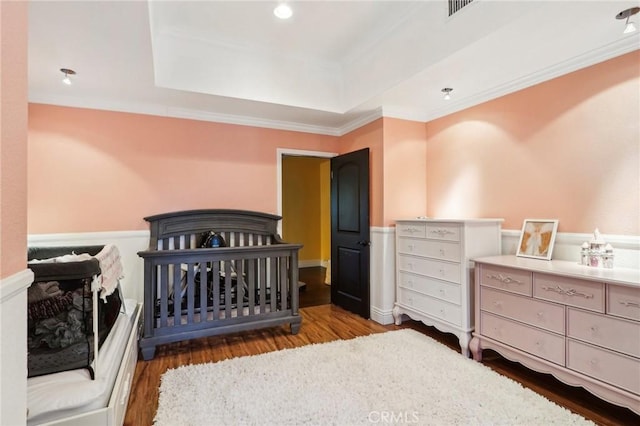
column 537, row 238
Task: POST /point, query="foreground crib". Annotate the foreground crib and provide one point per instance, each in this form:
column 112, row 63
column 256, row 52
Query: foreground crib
column 243, row 278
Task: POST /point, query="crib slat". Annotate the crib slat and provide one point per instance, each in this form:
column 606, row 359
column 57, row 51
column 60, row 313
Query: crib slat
column 251, row 281
column 283, row 283
column 239, row 288
column 227, row 290
column 273, row 281
column 215, row 273
column 177, row 295
column 262, row 272
column 164, row 287
column 190, row 292
column 202, row 272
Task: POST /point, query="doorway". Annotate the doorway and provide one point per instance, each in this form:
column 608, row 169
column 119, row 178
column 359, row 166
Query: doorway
column 304, row 204
column 346, row 216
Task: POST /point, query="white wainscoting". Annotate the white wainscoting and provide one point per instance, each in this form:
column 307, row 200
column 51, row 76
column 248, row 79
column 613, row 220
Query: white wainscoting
column 382, row 270
column 626, row 248
column 129, row 243
column 382, row 281
column 13, row 348
column 567, row 247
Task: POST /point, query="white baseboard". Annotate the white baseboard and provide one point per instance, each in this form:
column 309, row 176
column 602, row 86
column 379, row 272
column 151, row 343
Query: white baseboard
column 311, row 263
column 381, row 317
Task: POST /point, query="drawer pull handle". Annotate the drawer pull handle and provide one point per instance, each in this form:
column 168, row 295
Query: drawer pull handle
column 540, row 314
column 594, row 362
column 628, row 303
column 497, row 304
column 505, row 279
column 411, row 230
column 410, row 247
column 441, row 232
column 567, row 292
column 441, row 252
column 593, row 328
column 410, row 283
column 410, row 265
column 442, row 272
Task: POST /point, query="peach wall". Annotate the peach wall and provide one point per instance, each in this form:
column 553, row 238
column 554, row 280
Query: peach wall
column 370, row 136
column 13, row 137
column 95, row 170
column 566, row 149
column 405, row 170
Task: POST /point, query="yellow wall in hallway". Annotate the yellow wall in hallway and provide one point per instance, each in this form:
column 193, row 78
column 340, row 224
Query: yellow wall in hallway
column 306, row 217
column 325, row 208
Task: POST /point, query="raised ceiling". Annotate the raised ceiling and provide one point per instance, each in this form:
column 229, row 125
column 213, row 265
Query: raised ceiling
column 332, row 67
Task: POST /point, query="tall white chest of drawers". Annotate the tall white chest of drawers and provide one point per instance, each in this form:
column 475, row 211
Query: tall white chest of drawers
column 580, row 324
column 434, row 274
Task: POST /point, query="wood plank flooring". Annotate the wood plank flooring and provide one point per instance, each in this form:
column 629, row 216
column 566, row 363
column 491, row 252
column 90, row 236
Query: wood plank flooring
column 324, row 323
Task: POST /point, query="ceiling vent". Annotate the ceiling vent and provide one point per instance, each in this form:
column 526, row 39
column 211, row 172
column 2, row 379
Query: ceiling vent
column 456, row 5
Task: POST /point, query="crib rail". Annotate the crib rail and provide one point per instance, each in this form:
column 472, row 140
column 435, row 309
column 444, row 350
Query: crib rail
column 200, row 292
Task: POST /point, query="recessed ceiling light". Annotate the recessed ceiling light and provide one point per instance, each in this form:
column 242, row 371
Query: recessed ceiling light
column 283, row 11
column 67, row 72
column 630, row 26
column 447, row 93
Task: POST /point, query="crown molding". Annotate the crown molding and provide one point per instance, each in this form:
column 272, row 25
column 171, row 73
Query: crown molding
column 623, row 46
column 362, row 120
column 250, row 121
column 189, row 114
column 593, row 57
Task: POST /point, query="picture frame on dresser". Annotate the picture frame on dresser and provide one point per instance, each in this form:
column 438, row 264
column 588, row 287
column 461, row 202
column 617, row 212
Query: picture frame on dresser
column 537, row 238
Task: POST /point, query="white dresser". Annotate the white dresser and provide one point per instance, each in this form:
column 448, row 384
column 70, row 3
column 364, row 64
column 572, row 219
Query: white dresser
column 579, row 323
column 434, row 274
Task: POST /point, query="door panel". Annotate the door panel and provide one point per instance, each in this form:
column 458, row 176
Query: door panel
column 350, row 231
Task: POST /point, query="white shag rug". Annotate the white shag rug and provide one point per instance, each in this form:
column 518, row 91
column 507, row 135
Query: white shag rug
column 396, row 377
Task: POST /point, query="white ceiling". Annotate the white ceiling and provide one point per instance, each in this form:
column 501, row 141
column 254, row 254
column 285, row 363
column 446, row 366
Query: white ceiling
column 332, row 67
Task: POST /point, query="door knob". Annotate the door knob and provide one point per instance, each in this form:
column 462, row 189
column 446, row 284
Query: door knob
column 364, row 243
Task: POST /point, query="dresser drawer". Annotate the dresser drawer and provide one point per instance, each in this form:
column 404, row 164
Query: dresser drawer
column 431, row 287
column 430, row 306
column 443, row 231
column 611, row 367
column 412, row 229
column 436, row 249
column 612, row 333
column 513, row 280
column 529, row 339
column 623, row 301
column 432, row 268
column 569, row 291
column 549, row 316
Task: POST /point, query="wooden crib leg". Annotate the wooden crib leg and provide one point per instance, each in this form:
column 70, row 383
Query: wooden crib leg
column 148, row 352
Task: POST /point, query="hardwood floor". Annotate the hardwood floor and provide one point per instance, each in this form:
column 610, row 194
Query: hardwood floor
column 323, row 323
column 315, row 292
